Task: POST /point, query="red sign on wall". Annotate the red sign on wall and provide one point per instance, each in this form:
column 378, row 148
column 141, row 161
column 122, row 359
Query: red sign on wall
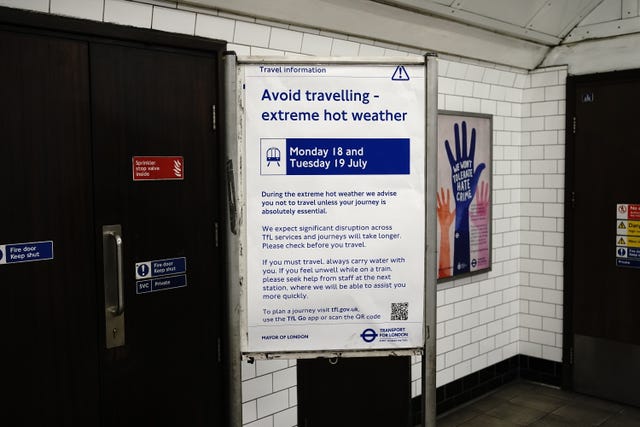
column 157, row 168
column 630, row 211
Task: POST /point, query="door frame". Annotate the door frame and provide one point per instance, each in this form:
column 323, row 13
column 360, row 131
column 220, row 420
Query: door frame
column 43, row 24
column 567, row 303
column 569, row 227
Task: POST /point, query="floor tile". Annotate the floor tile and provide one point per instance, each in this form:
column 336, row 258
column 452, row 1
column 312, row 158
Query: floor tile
column 486, row 421
column 516, row 414
column 551, row 420
column 605, row 405
column 582, row 414
column 457, row 417
column 539, row 401
column 627, row 417
column 556, row 392
column 523, row 403
column 488, row 403
column 514, row 389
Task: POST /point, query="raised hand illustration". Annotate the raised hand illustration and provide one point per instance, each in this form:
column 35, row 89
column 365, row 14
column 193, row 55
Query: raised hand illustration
column 480, row 220
column 445, row 219
column 464, row 181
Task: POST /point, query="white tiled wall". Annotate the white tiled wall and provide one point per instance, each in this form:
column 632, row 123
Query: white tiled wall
column 478, row 317
column 514, row 309
column 542, row 214
column 269, row 394
column 128, row 13
column 517, row 307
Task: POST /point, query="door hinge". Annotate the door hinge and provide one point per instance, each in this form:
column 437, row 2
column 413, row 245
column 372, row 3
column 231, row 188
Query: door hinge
column 215, row 233
column 571, row 356
column 574, row 124
column 219, row 351
column 573, row 199
column 213, row 117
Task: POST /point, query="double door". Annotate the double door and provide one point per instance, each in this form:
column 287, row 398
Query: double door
column 109, row 160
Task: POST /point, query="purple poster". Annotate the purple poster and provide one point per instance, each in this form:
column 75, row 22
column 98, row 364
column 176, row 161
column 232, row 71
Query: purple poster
column 464, row 194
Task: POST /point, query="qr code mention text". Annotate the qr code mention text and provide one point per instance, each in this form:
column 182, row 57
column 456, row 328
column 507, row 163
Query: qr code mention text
column 399, row 311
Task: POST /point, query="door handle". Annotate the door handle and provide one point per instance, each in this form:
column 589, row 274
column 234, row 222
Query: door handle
column 112, row 250
column 119, row 275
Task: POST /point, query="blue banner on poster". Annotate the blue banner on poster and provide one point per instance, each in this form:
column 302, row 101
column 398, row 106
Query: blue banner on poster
column 319, row 156
column 336, row 156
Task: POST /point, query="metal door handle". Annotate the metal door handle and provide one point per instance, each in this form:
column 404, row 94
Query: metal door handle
column 112, row 249
column 117, row 238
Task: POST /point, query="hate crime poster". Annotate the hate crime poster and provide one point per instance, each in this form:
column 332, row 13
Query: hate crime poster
column 464, row 194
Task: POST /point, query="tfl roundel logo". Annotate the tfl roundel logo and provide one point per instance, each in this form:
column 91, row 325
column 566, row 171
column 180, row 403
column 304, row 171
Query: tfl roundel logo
column 368, row 335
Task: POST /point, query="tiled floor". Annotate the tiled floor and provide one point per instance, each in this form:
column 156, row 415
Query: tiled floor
column 528, row 404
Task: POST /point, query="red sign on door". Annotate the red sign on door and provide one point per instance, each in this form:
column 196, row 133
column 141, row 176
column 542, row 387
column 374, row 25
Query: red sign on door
column 630, row 211
column 156, row 168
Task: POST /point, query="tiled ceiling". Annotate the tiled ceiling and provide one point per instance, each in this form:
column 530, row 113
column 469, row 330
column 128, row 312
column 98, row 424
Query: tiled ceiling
column 546, row 22
column 519, row 33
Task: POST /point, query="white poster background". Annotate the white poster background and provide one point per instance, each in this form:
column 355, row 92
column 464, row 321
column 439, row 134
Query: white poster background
column 302, row 297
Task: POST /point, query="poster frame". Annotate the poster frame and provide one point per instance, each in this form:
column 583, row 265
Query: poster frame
column 237, row 200
column 488, row 168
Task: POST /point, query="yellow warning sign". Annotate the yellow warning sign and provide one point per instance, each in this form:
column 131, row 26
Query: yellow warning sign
column 628, row 241
column 628, row 228
column 633, row 228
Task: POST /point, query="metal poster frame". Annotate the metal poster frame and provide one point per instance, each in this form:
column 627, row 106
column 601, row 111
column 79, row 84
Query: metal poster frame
column 458, row 144
column 236, row 233
column 241, row 212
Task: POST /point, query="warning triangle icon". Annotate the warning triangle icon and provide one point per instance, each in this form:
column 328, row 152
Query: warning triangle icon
column 621, row 241
column 622, row 226
column 400, row 74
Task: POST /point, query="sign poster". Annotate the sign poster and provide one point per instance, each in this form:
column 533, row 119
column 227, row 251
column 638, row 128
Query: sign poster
column 160, row 275
column 157, row 168
column 13, row 253
column 335, row 183
column 463, row 194
column 628, row 235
